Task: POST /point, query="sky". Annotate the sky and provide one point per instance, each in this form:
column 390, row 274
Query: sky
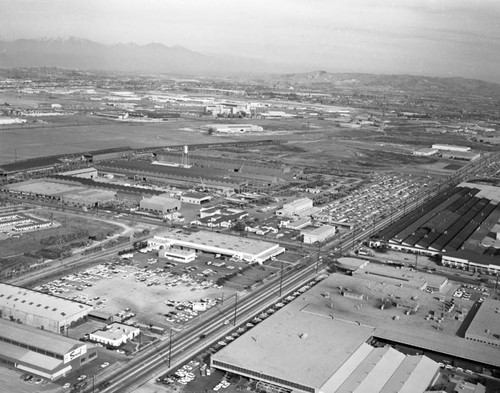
column 422, row 37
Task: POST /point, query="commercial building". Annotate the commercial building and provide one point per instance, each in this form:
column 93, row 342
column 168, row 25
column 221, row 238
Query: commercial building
column 320, row 234
column 174, row 254
column 299, row 350
column 115, row 334
column 296, row 207
column 160, row 204
column 40, row 310
column 248, row 250
column 42, row 353
column 451, row 147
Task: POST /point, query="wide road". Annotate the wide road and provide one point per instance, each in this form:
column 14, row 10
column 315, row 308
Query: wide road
column 188, row 343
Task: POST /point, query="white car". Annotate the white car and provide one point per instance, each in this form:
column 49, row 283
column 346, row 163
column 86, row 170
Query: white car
column 81, row 377
column 67, row 385
column 105, row 364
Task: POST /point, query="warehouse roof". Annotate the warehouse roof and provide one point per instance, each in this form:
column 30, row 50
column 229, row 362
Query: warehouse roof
column 296, row 346
column 486, row 322
column 23, row 355
column 38, row 303
column 34, row 337
column 223, row 241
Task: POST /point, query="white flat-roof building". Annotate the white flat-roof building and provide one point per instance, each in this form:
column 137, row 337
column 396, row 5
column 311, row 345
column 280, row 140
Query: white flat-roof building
column 160, row 204
column 196, row 198
column 40, row 352
column 425, row 152
column 319, row 234
column 233, row 128
column 178, row 255
column 40, row 310
column 246, row 249
column 451, row 147
column 295, row 207
column 115, row 334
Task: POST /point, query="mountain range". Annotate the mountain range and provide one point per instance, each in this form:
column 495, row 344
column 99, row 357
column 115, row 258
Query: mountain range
column 79, row 53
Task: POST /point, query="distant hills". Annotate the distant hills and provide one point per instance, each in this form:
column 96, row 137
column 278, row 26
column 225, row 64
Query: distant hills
column 394, row 82
column 78, row 53
column 83, row 54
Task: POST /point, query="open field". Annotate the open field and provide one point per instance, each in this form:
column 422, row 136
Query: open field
column 69, row 226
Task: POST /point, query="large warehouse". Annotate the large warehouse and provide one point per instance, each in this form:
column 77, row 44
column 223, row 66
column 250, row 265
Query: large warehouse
column 217, row 243
column 301, row 351
column 40, row 310
column 42, row 353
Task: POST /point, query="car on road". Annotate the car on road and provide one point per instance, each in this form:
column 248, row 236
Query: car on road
column 105, row 364
column 81, row 377
column 67, row 385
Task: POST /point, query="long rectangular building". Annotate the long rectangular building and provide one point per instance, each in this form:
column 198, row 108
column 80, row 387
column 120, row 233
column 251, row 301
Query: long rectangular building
column 42, row 353
column 217, row 243
column 40, row 310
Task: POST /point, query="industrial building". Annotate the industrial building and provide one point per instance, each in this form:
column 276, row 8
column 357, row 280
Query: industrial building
column 70, row 192
column 295, row 208
column 447, row 222
column 485, row 327
column 425, row 152
column 472, row 261
column 297, row 350
column 196, row 198
column 461, row 155
column 451, row 147
column 232, row 128
column 146, row 171
column 160, row 204
column 319, row 235
column 248, row 250
column 115, row 334
column 40, row 310
column 41, row 353
column 84, row 173
column 227, row 164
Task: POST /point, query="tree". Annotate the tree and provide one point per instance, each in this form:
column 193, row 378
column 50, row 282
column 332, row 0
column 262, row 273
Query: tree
column 239, row 226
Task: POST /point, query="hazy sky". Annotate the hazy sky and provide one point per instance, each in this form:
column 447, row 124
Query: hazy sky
column 431, row 37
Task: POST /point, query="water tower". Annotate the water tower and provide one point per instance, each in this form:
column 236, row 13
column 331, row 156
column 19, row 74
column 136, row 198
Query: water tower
column 185, row 156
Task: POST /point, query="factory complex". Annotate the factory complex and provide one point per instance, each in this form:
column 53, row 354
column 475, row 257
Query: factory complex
column 452, row 226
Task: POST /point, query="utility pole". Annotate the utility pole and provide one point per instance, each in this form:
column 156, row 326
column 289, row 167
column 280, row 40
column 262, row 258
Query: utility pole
column 281, row 278
column 416, row 261
column 318, row 257
column 170, row 349
column 235, row 307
